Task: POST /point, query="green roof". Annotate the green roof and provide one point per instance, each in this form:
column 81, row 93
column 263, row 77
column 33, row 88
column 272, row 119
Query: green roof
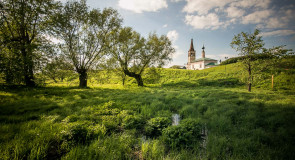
column 211, row 64
column 204, row 59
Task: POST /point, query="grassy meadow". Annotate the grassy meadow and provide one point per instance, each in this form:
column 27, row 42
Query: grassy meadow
column 220, row 119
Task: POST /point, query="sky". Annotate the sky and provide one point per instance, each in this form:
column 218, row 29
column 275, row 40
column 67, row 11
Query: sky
column 212, row 23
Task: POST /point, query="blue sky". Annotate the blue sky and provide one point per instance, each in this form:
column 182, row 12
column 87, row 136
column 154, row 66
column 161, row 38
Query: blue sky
column 210, row 22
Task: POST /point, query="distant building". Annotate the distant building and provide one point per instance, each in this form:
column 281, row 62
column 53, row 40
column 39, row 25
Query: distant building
column 178, row 67
column 200, row 63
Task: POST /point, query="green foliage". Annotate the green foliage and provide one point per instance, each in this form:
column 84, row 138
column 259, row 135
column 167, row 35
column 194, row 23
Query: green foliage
column 177, row 67
column 23, row 27
column 153, row 149
column 82, row 134
column 64, row 122
column 248, row 45
column 262, row 56
column 133, row 53
column 111, row 147
column 76, row 19
column 58, row 69
column 133, row 122
column 155, row 126
column 185, row 135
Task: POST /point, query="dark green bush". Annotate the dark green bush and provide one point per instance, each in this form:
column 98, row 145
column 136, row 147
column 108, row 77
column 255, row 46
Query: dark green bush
column 185, row 135
column 133, row 122
column 155, row 126
column 82, row 133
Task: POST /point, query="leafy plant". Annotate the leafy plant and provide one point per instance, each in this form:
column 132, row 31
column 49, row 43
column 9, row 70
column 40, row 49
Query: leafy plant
column 133, row 122
column 155, row 126
column 185, row 135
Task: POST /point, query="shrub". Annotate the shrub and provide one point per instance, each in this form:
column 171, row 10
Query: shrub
column 83, row 134
column 155, row 126
column 185, row 135
column 133, row 122
column 111, row 122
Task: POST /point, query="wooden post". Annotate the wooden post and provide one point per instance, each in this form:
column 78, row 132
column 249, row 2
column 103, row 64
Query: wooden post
column 272, row 81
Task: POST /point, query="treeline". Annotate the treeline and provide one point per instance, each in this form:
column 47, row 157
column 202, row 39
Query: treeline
column 262, row 56
column 46, row 37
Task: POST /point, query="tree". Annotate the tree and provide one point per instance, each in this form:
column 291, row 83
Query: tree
column 22, row 27
column 57, row 68
column 248, row 45
column 84, row 34
column 134, row 53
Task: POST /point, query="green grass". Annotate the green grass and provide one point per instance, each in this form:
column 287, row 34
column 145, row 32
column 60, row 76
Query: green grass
column 109, row 121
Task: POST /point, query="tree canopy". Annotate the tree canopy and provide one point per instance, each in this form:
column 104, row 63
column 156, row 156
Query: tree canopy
column 22, row 30
column 247, row 45
column 84, row 34
column 134, row 53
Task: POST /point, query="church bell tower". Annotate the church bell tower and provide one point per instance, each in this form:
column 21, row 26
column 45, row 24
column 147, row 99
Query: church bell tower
column 191, row 53
column 203, row 52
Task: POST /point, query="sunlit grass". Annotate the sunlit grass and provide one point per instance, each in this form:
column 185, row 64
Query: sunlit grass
column 111, row 121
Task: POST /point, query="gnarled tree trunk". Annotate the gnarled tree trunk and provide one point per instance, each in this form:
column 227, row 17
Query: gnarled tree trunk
column 139, row 80
column 136, row 76
column 83, row 78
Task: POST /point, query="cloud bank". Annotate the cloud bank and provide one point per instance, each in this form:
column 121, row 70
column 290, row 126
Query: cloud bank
column 139, row 6
column 216, row 14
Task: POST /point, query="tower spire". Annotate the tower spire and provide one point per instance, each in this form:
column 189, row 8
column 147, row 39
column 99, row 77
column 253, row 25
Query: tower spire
column 192, row 46
column 203, row 52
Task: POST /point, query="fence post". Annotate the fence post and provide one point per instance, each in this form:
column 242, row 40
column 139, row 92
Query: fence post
column 272, row 81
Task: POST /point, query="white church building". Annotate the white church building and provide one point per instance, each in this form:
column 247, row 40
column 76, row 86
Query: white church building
column 200, row 63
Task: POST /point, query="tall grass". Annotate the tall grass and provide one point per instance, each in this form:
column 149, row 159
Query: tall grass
column 111, row 121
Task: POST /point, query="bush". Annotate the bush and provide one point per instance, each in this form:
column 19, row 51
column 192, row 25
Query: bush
column 155, row 126
column 133, row 122
column 111, row 122
column 185, row 135
column 83, row 134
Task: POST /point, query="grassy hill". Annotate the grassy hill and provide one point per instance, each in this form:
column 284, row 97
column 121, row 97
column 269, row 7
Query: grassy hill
column 219, row 119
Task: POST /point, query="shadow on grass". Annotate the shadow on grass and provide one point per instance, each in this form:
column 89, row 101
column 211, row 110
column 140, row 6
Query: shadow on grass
column 239, row 123
column 229, row 82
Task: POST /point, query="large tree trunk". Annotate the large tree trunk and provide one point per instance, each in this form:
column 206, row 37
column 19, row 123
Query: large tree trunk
column 28, row 67
column 139, row 80
column 136, row 76
column 83, row 78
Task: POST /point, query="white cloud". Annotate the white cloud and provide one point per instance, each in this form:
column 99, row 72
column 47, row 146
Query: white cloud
column 165, row 26
column 214, row 14
column 210, row 21
column 178, row 52
column 278, row 33
column 274, row 22
column 139, row 6
column 203, row 6
column 256, row 17
column 172, row 35
column 252, row 3
column 176, row 0
column 234, row 12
